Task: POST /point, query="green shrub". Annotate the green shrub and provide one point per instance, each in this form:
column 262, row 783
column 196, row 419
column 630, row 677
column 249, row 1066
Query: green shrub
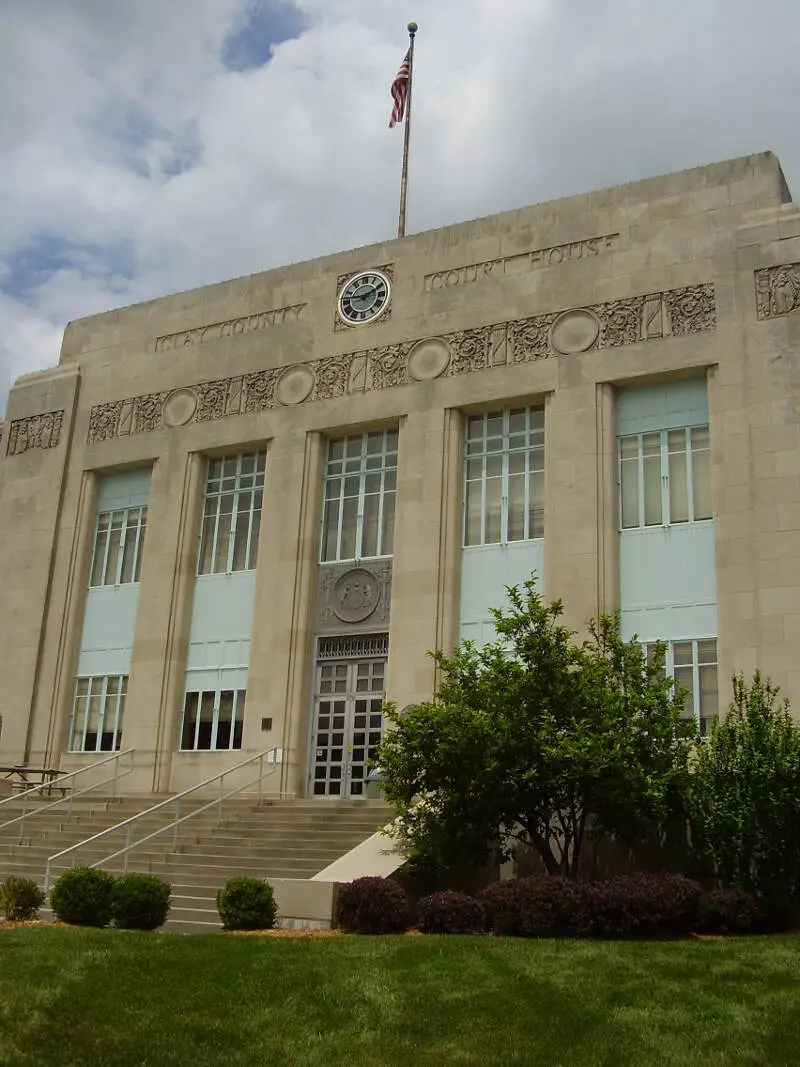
column 247, row 904
column 743, row 809
column 20, row 899
column 372, row 906
column 451, row 913
column 140, row 902
column 82, row 897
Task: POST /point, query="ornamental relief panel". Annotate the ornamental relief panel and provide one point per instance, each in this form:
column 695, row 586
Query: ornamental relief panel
column 676, row 313
column 777, row 290
column 353, row 595
column 34, row 432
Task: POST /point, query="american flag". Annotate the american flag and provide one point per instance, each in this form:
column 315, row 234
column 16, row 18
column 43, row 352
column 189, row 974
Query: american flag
column 400, row 90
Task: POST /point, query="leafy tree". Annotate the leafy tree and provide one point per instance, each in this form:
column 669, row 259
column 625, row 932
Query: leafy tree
column 745, row 793
column 536, row 739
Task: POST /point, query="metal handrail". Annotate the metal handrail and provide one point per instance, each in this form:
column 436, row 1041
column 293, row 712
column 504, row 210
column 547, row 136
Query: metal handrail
column 178, row 820
column 119, row 772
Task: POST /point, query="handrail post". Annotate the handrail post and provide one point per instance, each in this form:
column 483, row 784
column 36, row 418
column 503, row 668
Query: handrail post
column 260, row 778
column 219, row 802
column 24, row 813
column 127, row 847
column 175, row 832
column 116, row 772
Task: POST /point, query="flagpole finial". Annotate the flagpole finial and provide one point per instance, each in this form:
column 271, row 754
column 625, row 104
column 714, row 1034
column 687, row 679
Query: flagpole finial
column 412, row 28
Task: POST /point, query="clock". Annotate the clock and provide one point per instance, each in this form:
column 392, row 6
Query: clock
column 364, row 297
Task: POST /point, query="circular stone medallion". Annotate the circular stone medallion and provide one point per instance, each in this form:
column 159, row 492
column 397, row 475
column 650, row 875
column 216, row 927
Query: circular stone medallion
column 179, row 408
column 355, row 595
column 428, row 359
column 574, row 331
column 295, row 385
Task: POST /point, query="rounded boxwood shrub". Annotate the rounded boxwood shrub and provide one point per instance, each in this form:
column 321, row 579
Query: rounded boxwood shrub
column 728, row 911
column 643, row 905
column 537, row 906
column 372, row 906
column 451, row 913
column 140, row 902
column 20, row 899
column 82, row 897
column 247, row 904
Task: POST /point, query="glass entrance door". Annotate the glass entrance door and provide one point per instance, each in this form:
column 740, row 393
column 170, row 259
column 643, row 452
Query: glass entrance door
column 348, row 721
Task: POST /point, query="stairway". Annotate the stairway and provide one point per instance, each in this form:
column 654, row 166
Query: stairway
column 279, row 839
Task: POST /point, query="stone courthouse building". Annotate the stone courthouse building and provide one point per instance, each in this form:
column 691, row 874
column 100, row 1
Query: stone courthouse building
column 237, row 519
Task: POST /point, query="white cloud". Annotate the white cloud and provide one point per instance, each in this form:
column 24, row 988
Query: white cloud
column 137, row 164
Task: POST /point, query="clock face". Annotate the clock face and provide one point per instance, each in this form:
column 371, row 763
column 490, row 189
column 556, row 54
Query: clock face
column 364, row 297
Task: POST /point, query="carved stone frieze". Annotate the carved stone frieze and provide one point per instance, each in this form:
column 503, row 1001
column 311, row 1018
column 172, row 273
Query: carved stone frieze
column 469, row 350
column 332, row 376
column 35, row 432
column 529, row 339
column 777, row 290
column 677, row 312
column 691, row 310
column 388, row 366
column 147, row 412
column 259, row 391
column 351, row 595
column 620, row 322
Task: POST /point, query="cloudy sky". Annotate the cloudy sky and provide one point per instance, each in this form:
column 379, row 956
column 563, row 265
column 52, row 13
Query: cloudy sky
column 149, row 146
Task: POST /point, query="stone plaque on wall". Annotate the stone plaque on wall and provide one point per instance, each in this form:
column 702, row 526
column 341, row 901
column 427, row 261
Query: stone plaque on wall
column 354, row 596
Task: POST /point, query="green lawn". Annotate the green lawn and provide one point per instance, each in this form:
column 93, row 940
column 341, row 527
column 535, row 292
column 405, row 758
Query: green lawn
column 114, row 999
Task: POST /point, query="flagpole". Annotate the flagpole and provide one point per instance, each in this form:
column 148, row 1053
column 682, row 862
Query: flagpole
column 401, row 223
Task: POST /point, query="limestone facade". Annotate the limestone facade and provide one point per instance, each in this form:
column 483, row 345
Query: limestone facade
column 559, row 307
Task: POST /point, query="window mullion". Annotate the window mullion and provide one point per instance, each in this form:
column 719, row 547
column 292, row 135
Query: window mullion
column 215, row 721
column 666, row 515
column 640, row 456
column 381, row 492
column 689, row 472
column 234, row 518
column 137, row 545
column 106, row 549
column 197, row 720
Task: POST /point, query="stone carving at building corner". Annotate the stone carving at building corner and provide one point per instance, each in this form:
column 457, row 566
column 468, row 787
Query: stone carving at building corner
column 691, row 310
column 354, row 594
column 677, row 312
column 35, row 432
column 777, row 290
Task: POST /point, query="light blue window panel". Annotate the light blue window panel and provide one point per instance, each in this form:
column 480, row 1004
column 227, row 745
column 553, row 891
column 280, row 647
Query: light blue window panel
column 131, row 489
column 666, row 542
column 667, row 406
column 485, row 572
column 222, row 621
column 111, row 601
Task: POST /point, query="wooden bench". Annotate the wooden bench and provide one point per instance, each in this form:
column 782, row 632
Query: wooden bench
column 22, row 777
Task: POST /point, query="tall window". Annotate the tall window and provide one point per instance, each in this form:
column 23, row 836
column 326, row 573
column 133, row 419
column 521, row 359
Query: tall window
column 97, row 712
column 664, row 477
column 213, row 720
column 504, row 477
column 360, row 486
column 232, row 514
column 118, row 546
column 693, row 665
